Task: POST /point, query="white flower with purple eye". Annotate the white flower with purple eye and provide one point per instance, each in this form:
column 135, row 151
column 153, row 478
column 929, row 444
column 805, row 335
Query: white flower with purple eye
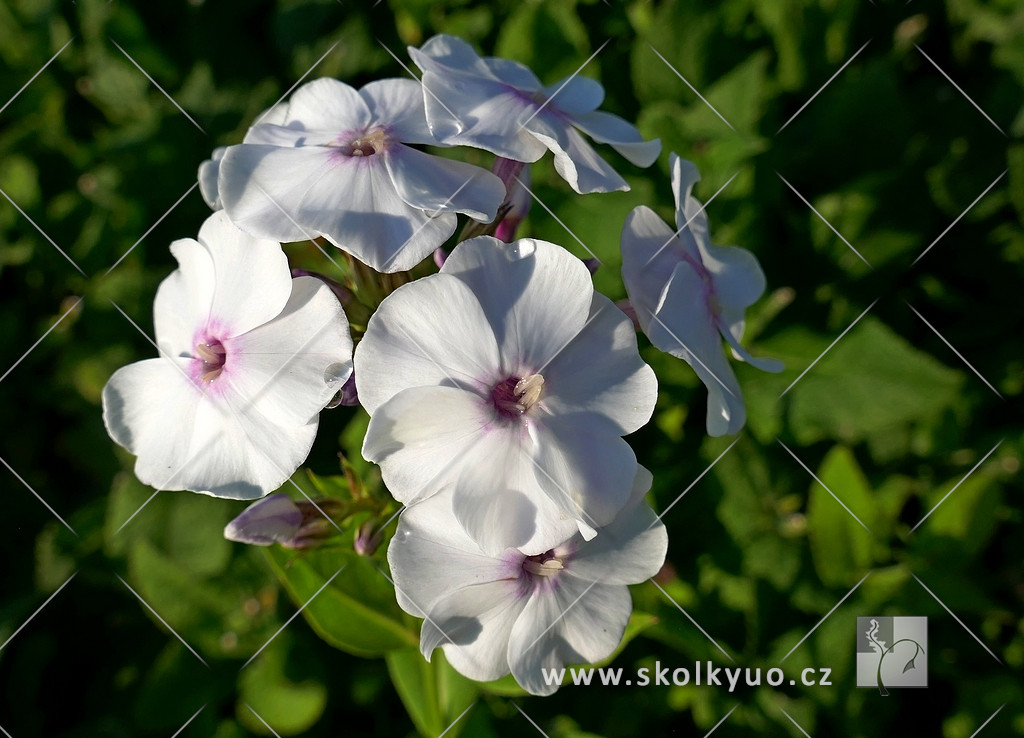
column 507, row 377
column 249, row 357
column 339, row 166
column 522, row 611
column 688, row 294
column 501, row 106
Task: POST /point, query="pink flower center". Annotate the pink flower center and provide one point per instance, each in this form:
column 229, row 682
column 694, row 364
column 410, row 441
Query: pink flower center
column 368, row 143
column 547, row 564
column 214, row 357
column 515, row 396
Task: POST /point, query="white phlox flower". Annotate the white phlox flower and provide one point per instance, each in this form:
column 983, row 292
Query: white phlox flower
column 689, row 294
column 507, row 377
column 249, row 357
column 522, row 611
column 501, row 106
column 339, row 166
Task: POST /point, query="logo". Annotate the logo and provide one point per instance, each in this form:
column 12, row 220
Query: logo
column 892, row 652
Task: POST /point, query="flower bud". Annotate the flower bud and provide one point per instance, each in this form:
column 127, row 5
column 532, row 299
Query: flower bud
column 279, row 519
column 348, row 396
column 367, row 540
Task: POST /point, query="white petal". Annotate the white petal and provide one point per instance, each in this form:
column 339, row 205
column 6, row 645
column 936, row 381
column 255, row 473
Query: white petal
column 357, row 208
column 535, row 294
column 480, row 113
column 208, row 172
column 422, row 436
column 291, row 367
column 600, row 372
column 473, row 627
column 449, row 51
column 691, row 220
column 263, row 188
column 650, row 253
column 299, row 193
column 683, row 327
column 276, row 115
column 290, row 136
column 398, row 104
column 238, row 452
column 588, row 475
column 328, row 105
column 252, row 279
column 198, row 439
column 763, row 363
column 513, row 73
column 731, row 322
column 149, row 408
column 427, row 333
column 575, row 160
column 436, row 184
column 183, row 299
column 576, row 94
column 739, row 281
column 431, row 556
column 620, row 135
column 503, row 500
column 574, row 622
column 466, row 104
column 629, row 550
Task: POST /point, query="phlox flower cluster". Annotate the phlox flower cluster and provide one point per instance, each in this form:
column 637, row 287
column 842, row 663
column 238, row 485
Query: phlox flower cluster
column 499, row 384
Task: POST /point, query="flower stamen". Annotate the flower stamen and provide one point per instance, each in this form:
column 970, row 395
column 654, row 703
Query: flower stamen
column 368, row 144
column 546, row 564
column 214, row 356
column 515, row 396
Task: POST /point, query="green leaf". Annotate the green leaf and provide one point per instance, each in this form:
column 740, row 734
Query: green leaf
column 331, row 486
column 433, row 693
column 870, row 381
column 290, row 707
column 176, row 672
column 357, row 612
column 186, row 602
column 547, row 36
column 841, row 548
column 195, row 533
column 968, row 514
column 965, row 518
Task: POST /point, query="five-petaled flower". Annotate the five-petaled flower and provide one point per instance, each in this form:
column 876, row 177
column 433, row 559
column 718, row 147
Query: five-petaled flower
column 249, row 358
column 501, row 106
column 507, row 377
column 688, row 294
column 522, row 611
column 339, row 166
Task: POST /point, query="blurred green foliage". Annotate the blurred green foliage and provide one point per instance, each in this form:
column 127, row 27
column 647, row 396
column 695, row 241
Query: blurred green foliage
column 890, row 420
